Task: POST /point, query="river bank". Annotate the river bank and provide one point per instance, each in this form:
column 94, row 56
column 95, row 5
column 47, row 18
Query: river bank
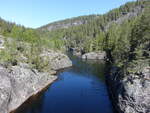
column 23, row 82
column 25, row 76
column 80, row 88
column 129, row 94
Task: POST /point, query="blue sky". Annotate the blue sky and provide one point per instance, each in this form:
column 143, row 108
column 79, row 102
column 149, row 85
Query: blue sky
column 35, row 13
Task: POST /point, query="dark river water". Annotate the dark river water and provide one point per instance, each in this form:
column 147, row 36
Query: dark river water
column 80, row 89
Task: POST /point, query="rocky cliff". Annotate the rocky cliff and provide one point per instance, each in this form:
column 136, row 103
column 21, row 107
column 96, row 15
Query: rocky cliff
column 18, row 84
column 68, row 23
column 20, row 80
column 131, row 93
column 23, row 82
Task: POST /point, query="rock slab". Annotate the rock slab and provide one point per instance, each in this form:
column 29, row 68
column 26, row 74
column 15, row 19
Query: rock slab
column 57, row 60
column 18, row 84
column 94, row 56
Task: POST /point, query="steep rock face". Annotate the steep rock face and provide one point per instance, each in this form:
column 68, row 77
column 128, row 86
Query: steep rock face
column 21, row 82
column 57, row 60
column 94, row 56
column 130, row 94
column 63, row 24
column 127, row 16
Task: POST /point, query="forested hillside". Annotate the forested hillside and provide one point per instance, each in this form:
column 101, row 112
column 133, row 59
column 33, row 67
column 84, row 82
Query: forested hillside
column 122, row 32
column 119, row 32
column 90, row 36
column 68, row 23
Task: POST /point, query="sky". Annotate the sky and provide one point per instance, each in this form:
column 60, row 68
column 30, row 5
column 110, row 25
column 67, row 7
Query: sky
column 35, row 13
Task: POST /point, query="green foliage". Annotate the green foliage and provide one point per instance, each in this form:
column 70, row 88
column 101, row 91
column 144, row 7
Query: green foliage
column 9, row 55
column 140, row 36
column 97, row 32
column 21, row 52
column 35, row 60
column 126, row 40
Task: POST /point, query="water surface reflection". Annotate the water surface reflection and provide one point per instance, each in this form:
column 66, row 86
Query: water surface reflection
column 80, row 89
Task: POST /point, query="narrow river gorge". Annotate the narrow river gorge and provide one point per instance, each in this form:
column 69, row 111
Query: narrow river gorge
column 79, row 89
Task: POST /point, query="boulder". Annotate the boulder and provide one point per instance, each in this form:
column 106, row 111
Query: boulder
column 94, row 55
column 77, row 53
column 131, row 93
column 57, row 59
column 20, row 81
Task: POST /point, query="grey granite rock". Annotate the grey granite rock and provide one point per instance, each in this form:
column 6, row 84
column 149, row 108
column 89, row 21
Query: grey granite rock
column 18, row 84
column 5, row 90
column 94, row 55
column 130, row 94
column 57, row 59
column 77, row 53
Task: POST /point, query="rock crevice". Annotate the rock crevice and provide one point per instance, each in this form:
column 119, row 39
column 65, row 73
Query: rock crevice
column 130, row 94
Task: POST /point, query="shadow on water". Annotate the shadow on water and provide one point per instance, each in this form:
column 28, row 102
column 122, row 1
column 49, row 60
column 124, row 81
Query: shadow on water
column 89, row 67
column 80, row 89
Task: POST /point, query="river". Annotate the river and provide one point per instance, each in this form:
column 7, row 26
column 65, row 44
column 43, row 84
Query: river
column 79, row 89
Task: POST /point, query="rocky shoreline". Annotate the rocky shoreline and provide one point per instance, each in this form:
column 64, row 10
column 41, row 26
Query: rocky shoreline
column 23, row 77
column 21, row 82
column 33, row 97
column 101, row 55
column 129, row 94
column 95, row 55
